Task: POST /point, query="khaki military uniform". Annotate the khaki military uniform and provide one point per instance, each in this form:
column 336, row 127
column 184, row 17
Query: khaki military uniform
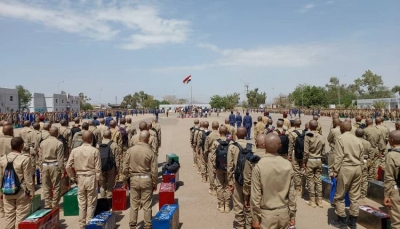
column 374, row 136
column 98, row 137
column 334, row 133
column 314, row 149
column 348, row 168
column 206, row 164
column 102, row 128
column 131, row 131
column 385, row 135
column 286, row 124
column 391, row 188
column 259, row 128
column 53, row 168
column 202, row 150
column 243, row 217
column 41, row 124
column 223, row 193
column 280, row 131
column 231, row 130
column 117, row 138
column 273, row 203
column 109, row 177
column 368, row 152
column 193, row 144
column 265, row 120
column 296, row 163
column 16, row 207
column 157, row 127
column 139, row 167
column 5, row 148
column 86, row 161
column 197, row 148
column 319, row 128
column 67, row 134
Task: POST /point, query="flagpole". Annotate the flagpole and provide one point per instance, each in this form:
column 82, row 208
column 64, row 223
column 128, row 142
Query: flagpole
column 191, row 93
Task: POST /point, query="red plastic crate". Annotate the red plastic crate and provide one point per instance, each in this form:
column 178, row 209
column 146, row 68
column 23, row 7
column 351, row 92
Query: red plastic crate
column 380, row 173
column 119, row 199
column 50, row 221
column 166, row 194
column 171, row 178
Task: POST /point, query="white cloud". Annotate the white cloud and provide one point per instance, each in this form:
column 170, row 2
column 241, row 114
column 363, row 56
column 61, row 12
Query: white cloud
column 140, row 25
column 329, row 2
column 307, row 7
column 271, row 56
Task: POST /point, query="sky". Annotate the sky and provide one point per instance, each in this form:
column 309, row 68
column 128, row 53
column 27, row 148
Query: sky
column 109, row 48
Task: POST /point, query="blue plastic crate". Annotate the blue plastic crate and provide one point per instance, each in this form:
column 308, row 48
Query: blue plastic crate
column 104, row 220
column 167, row 217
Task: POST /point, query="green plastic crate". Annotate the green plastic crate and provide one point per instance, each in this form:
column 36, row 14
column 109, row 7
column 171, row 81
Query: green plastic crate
column 35, row 204
column 172, row 156
column 71, row 207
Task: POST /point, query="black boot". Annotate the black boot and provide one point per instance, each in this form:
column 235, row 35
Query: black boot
column 352, row 222
column 339, row 223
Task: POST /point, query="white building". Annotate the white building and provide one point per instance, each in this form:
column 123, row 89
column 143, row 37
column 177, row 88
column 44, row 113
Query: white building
column 174, row 106
column 392, row 103
column 55, row 102
column 8, row 100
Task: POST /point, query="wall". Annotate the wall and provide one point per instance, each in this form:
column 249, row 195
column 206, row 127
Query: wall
column 6, row 95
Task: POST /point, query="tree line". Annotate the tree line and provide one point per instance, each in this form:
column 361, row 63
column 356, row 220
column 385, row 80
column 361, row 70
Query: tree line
column 143, row 100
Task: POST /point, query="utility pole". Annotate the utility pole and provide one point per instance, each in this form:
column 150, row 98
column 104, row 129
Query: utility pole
column 116, row 100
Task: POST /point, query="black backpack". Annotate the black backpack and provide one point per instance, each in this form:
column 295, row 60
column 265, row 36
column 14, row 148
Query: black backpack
column 241, row 161
column 204, row 135
column 107, row 159
column 154, row 129
column 62, row 139
column 222, row 154
column 284, row 142
column 299, row 145
column 74, row 130
column 124, row 135
column 172, row 166
column 10, row 184
column 192, row 131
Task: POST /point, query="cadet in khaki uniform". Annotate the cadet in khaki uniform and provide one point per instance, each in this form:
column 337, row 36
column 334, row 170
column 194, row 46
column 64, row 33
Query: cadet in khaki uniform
column 193, row 131
column 140, row 167
column 375, row 137
column 334, row 133
column 223, row 192
column 117, row 138
column 213, row 136
column 66, row 133
column 242, row 213
column 109, row 177
column 259, row 128
column 86, row 161
column 102, row 127
column 280, row 130
column 286, row 122
column 347, row 168
column 385, row 135
column 231, row 129
column 197, row 146
column 130, row 129
column 157, row 127
column 202, row 150
column 265, row 119
column 391, row 185
column 17, row 206
column 1, row 128
column 96, row 132
column 319, row 128
column 273, row 203
column 53, row 168
column 314, row 149
column 5, row 148
column 366, row 162
column 296, row 163
column 135, row 139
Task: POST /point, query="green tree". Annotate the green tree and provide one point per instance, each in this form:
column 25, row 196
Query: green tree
column 255, row 98
column 84, row 102
column 396, row 89
column 282, row 101
column 128, row 102
column 380, row 104
column 217, row 101
column 182, row 101
column 164, row 102
column 370, row 85
column 231, row 100
column 307, row 96
column 24, row 97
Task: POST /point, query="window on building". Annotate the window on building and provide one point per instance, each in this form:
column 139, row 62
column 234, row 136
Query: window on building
column 56, row 100
column 62, row 101
column 11, row 98
column 56, row 109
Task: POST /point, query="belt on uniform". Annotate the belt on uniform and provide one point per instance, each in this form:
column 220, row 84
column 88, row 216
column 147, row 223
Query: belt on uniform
column 50, row 163
column 141, row 176
column 278, row 208
column 85, row 175
column 314, row 159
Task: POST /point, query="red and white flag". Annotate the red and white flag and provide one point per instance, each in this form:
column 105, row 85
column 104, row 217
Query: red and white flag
column 187, row 79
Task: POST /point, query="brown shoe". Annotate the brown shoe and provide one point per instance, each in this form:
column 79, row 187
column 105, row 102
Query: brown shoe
column 228, row 207
column 320, row 202
column 221, row 208
column 311, row 202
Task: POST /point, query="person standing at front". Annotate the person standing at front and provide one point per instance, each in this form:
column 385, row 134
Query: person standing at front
column 140, row 170
column 273, row 196
column 86, row 161
column 17, row 206
column 52, row 152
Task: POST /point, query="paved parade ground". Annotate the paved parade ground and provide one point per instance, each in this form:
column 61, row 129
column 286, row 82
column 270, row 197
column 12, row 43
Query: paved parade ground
column 197, row 208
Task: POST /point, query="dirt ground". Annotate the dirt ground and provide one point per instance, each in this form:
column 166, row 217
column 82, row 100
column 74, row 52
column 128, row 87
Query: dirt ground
column 198, row 209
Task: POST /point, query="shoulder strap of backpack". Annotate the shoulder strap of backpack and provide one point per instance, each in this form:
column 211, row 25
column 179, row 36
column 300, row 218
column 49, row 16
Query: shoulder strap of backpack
column 109, row 143
column 297, row 132
column 249, row 147
column 278, row 131
column 239, row 146
column 12, row 160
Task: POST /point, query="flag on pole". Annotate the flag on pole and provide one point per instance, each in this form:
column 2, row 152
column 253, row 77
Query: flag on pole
column 187, row 79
